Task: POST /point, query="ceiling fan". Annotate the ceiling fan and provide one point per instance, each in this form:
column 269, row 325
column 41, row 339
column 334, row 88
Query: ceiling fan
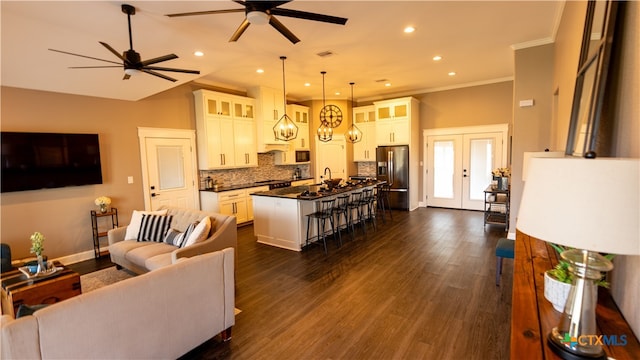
column 131, row 60
column 260, row 12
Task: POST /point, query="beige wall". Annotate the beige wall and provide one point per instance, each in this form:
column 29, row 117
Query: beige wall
column 62, row 215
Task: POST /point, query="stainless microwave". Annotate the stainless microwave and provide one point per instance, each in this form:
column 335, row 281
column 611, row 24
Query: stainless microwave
column 303, row 156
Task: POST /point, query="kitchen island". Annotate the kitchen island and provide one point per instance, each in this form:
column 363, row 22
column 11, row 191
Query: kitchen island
column 280, row 215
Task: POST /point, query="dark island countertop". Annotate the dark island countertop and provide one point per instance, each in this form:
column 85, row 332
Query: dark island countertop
column 295, row 192
column 250, row 185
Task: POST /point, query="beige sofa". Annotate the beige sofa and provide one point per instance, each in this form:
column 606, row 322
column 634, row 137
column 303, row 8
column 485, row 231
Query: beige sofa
column 162, row 314
column 141, row 257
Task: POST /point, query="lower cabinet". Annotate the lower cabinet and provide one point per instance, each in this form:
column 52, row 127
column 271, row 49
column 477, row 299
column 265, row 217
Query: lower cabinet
column 237, row 203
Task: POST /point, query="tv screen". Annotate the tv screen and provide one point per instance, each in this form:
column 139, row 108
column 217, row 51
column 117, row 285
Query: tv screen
column 32, row 161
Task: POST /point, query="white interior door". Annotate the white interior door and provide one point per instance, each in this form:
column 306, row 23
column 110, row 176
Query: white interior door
column 169, row 172
column 331, row 154
column 459, row 168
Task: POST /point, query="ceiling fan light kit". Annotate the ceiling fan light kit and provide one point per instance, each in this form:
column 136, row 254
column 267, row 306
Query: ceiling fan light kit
column 131, row 60
column 261, row 12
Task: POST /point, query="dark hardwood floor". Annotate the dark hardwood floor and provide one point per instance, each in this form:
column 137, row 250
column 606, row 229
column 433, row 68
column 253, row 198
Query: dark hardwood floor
column 420, row 287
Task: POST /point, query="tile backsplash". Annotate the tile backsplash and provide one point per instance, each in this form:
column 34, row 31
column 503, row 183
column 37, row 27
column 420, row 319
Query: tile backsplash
column 266, row 170
column 367, row 169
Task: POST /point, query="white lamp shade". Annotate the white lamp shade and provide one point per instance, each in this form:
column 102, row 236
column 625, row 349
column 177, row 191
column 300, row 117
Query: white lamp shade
column 528, row 155
column 589, row 204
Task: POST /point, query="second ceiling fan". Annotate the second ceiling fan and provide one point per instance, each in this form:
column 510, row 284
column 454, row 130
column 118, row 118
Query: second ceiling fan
column 262, row 12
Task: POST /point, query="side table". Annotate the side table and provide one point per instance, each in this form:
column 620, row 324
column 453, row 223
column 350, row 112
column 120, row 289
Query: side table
column 96, row 229
column 17, row 289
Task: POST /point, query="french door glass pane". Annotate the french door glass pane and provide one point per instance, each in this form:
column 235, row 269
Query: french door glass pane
column 480, row 166
column 443, row 163
column 170, row 167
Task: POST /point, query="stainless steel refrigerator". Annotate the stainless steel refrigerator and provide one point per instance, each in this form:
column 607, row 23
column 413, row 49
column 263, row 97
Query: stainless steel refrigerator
column 393, row 167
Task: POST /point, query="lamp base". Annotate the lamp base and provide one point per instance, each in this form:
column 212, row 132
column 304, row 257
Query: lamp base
column 566, row 353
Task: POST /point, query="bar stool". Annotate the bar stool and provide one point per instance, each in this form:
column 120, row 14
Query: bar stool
column 355, row 204
column 368, row 203
column 340, row 210
column 325, row 213
column 383, row 197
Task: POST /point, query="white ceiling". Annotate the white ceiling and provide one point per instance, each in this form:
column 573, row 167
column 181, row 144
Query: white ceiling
column 475, row 39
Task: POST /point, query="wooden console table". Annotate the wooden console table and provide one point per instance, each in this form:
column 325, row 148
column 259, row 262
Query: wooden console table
column 533, row 317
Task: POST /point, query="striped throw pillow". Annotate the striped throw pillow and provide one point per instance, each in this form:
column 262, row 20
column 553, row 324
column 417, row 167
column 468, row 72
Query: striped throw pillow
column 177, row 238
column 154, row 227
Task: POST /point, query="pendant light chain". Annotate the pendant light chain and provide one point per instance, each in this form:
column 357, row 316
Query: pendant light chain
column 285, row 129
column 325, row 133
column 353, row 134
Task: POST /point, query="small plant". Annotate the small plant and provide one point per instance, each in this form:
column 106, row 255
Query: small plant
column 37, row 243
column 561, row 271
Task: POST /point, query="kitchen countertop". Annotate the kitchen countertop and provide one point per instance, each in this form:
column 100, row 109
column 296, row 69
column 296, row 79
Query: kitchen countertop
column 250, row 185
column 294, row 192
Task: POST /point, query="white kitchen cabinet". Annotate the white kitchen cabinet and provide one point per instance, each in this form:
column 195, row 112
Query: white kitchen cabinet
column 225, row 130
column 365, row 119
column 300, row 116
column 238, row 203
column 394, row 119
column 268, row 110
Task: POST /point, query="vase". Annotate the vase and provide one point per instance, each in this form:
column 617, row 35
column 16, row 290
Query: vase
column 41, row 264
column 503, row 183
column 556, row 291
column 103, row 208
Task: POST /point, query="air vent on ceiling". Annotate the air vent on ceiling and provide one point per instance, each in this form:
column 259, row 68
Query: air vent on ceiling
column 325, row 53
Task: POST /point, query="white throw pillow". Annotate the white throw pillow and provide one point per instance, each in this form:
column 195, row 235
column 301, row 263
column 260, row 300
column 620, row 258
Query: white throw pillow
column 136, row 220
column 200, row 233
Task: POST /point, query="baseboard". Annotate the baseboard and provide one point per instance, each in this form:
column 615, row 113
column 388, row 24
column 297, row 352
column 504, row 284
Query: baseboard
column 70, row 259
column 511, row 235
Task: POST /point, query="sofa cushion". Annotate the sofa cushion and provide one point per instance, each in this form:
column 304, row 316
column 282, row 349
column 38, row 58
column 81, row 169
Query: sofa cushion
column 158, row 261
column 140, row 254
column 121, row 248
column 154, row 227
column 136, row 219
column 200, row 233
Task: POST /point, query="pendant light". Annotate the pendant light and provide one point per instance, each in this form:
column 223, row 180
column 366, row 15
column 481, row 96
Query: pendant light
column 325, row 132
column 353, row 134
column 285, row 129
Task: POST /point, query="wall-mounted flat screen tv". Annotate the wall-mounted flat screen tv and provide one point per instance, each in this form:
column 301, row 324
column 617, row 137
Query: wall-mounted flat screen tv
column 32, row 161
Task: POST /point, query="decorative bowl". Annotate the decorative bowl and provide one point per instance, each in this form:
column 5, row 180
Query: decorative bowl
column 331, row 183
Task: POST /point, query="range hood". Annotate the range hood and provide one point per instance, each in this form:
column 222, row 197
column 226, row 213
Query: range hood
column 273, row 147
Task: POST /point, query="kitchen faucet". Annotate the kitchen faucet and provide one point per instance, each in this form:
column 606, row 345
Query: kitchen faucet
column 325, row 172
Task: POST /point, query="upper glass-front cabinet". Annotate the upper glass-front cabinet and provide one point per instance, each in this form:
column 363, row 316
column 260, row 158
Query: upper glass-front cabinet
column 220, row 107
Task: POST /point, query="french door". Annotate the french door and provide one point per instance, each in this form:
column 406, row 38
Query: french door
column 459, row 168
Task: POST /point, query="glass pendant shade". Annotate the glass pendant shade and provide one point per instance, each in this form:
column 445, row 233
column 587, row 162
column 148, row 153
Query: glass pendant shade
column 285, row 129
column 353, row 134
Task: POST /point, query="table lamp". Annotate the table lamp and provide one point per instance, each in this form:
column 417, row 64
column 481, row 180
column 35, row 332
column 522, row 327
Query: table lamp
column 591, row 206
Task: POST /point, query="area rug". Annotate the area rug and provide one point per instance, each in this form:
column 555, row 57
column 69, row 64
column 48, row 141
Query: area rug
column 104, row 277
column 108, row 276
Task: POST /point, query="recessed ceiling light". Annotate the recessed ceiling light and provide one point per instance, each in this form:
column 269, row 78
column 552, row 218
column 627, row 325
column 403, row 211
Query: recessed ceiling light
column 387, row 84
column 337, row 92
column 198, row 53
column 437, row 58
column 452, row 73
column 260, row 71
column 307, row 84
column 409, row 29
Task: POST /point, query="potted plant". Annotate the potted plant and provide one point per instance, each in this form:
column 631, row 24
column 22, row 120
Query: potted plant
column 557, row 281
column 37, row 247
column 103, row 203
column 501, row 175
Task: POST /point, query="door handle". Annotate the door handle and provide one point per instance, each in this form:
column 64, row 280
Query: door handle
column 154, row 194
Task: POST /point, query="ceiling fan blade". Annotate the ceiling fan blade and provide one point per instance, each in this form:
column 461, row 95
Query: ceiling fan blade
column 206, row 12
column 84, row 56
column 126, row 76
column 159, row 75
column 283, row 29
column 170, row 69
column 113, row 51
column 309, row 16
column 159, row 59
column 236, row 35
column 94, row 67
